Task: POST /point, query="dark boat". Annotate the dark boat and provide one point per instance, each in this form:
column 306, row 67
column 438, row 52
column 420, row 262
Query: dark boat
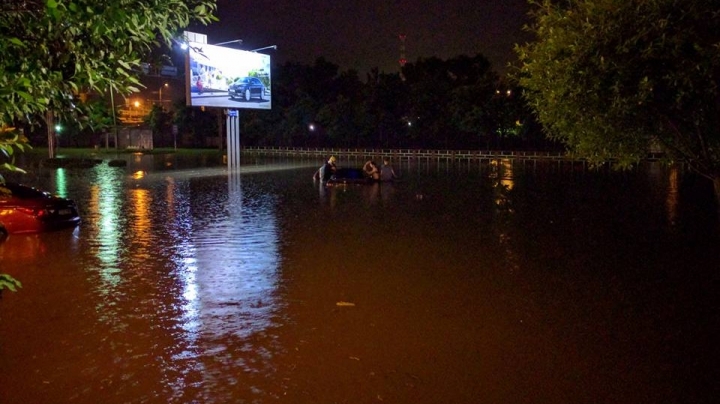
column 345, row 176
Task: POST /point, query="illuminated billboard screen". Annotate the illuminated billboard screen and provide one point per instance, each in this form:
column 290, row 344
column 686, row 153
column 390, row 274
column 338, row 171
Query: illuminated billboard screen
column 227, row 78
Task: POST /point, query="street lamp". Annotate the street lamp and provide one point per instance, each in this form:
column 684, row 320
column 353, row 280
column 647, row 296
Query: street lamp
column 228, row 42
column 160, row 92
column 266, row 47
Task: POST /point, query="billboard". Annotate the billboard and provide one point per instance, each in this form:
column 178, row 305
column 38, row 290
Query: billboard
column 227, row 78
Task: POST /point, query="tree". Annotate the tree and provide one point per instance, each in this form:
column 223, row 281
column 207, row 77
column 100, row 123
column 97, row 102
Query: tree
column 57, row 51
column 344, row 121
column 160, row 121
column 429, row 85
column 611, row 77
column 194, row 125
column 473, row 109
column 64, row 49
column 11, row 140
column 386, row 100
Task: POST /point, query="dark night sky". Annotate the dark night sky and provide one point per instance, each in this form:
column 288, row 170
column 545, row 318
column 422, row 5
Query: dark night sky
column 364, row 34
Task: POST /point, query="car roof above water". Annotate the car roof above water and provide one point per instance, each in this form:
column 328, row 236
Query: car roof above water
column 23, row 191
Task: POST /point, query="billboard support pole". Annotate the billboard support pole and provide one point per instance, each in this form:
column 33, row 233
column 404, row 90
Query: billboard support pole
column 233, row 139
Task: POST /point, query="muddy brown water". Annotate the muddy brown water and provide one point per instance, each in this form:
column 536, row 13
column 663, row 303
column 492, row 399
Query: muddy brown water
column 504, row 282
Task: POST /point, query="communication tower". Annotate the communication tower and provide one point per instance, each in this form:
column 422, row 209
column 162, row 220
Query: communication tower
column 402, row 59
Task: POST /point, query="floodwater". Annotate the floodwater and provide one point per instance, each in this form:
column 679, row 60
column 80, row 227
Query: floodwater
column 492, row 282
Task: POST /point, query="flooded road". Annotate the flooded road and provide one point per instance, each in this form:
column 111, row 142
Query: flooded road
column 497, row 282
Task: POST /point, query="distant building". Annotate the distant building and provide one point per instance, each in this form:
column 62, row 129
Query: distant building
column 135, row 139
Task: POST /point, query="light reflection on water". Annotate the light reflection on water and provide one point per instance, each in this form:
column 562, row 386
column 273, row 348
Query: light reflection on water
column 189, row 254
column 497, row 281
column 232, row 275
column 223, row 249
column 105, row 220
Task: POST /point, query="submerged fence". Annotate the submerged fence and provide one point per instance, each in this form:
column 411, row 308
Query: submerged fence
column 416, row 154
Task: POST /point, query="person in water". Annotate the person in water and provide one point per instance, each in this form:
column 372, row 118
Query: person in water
column 326, row 170
column 371, row 170
column 386, row 172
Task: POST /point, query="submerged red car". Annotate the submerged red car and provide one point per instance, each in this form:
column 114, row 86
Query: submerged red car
column 25, row 209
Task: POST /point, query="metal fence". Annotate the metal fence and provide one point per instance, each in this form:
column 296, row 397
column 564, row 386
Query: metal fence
column 406, row 154
column 419, row 154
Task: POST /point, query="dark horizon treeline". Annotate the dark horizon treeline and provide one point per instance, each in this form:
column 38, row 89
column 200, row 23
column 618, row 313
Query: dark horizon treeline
column 459, row 103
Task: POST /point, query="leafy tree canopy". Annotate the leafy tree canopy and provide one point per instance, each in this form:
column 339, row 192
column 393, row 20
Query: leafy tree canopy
column 63, row 48
column 611, row 77
column 10, row 139
column 55, row 50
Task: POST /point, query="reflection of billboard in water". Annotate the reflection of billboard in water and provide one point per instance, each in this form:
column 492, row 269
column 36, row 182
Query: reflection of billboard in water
column 227, row 78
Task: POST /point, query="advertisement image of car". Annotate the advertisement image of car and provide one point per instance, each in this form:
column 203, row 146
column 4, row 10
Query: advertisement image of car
column 221, row 77
column 246, row 88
